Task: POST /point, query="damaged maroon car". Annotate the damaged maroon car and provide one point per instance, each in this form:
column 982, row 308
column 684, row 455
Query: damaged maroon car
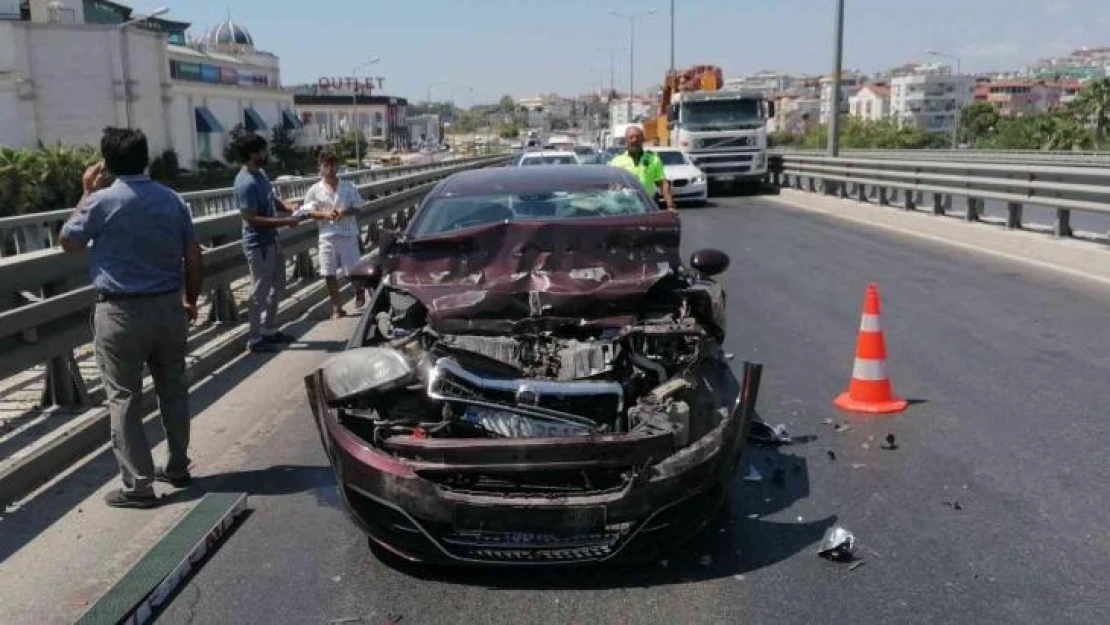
column 539, row 378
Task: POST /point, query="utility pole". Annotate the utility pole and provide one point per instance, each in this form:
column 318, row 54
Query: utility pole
column 956, row 99
column 354, row 112
column 838, row 60
column 632, row 51
column 672, row 36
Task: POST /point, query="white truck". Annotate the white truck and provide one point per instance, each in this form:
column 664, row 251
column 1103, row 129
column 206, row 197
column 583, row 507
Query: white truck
column 723, row 132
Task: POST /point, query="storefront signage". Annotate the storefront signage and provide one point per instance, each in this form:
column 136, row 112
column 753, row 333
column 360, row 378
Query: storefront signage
column 349, row 83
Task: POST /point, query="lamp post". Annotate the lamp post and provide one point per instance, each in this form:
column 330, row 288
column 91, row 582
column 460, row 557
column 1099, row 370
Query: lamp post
column 956, row 99
column 125, row 58
column 354, row 112
column 672, row 36
column 838, row 61
column 632, row 50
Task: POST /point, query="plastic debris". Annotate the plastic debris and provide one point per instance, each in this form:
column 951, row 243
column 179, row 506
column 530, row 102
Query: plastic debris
column 336, row 579
column 955, row 505
column 832, row 455
column 738, row 577
column 753, row 474
column 841, row 428
column 837, row 545
column 889, row 443
column 774, row 435
column 865, row 446
column 664, row 563
column 706, row 560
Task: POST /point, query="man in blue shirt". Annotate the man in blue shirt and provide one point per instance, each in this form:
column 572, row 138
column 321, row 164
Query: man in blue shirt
column 258, row 206
column 146, row 269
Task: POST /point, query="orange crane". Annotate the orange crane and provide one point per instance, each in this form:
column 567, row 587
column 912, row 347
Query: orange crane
column 696, row 78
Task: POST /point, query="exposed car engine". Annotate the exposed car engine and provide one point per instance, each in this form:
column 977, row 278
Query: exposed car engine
column 542, row 378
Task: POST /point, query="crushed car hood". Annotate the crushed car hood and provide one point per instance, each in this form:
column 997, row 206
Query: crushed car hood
column 510, row 270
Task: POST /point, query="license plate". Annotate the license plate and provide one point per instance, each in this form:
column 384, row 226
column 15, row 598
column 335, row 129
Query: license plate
column 726, row 178
column 581, row 520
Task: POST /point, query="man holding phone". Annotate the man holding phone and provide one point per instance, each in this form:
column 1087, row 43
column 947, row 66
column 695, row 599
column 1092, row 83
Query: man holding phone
column 146, row 269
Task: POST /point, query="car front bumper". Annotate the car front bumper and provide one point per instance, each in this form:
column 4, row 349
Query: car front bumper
column 406, row 508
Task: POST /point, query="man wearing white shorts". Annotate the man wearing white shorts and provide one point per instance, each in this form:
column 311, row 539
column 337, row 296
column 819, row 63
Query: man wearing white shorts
column 334, row 203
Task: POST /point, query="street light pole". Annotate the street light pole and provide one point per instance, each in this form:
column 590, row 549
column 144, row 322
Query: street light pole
column 838, row 60
column 672, row 36
column 956, row 99
column 354, row 116
column 125, row 58
column 632, row 51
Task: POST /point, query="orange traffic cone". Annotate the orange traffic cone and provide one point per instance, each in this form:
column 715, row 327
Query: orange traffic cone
column 870, row 390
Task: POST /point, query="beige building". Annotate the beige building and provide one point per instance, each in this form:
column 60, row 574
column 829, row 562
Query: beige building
column 184, row 95
column 872, row 102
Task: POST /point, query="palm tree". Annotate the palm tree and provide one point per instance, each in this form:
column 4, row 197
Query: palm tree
column 1093, row 104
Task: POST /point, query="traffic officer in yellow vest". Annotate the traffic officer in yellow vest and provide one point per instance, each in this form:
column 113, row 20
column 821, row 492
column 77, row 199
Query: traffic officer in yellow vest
column 645, row 165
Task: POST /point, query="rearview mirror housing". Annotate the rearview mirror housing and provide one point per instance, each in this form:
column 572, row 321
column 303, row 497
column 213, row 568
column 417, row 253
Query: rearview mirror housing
column 709, row 262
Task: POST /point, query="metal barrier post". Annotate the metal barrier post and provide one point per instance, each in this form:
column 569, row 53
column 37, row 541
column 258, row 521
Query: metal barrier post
column 64, row 385
column 1063, row 223
column 1013, row 215
column 938, row 204
column 972, row 209
column 908, row 204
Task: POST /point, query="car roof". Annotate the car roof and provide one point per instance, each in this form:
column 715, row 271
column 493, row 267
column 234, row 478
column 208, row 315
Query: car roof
column 532, row 180
column 550, row 153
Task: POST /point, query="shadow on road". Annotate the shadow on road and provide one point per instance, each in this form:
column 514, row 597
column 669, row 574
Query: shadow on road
column 740, row 539
column 35, row 515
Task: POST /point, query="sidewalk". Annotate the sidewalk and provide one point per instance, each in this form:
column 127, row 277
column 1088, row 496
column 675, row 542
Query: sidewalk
column 1083, row 259
column 63, row 548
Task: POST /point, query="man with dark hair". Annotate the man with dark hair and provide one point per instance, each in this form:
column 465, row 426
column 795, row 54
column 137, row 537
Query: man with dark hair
column 258, row 205
column 335, row 204
column 146, row 268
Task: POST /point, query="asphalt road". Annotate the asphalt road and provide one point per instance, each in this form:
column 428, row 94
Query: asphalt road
column 1008, row 366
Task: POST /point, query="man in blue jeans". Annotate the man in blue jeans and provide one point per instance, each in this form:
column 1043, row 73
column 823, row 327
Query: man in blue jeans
column 146, row 269
column 258, row 206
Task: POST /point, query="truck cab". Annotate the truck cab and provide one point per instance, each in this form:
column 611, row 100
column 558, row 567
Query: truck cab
column 723, row 132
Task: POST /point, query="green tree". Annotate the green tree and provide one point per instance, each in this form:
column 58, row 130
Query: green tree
column 507, row 104
column 345, row 147
column 978, row 122
column 283, row 147
column 1093, row 105
column 508, row 131
column 233, row 135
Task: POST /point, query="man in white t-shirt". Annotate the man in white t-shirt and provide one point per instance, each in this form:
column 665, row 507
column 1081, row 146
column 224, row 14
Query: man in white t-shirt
column 334, row 203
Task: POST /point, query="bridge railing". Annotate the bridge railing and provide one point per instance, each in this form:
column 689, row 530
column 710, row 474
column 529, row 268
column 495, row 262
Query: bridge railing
column 1089, row 158
column 36, row 231
column 46, row 297
column 1063, row 188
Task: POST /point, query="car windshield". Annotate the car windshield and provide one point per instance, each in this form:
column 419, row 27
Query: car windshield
column 722, row 114
column 671, row 157
column 448, row 214
column 561, row 159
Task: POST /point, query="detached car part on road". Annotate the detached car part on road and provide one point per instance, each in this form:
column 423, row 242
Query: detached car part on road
column 538, row 379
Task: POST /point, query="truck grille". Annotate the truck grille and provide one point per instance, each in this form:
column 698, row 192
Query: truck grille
column 722, row 142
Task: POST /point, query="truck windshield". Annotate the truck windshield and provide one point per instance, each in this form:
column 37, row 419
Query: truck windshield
column 722, row 114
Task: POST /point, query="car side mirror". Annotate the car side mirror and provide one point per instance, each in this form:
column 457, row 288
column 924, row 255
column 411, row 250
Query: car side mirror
column 709, row 262
column 368, row 272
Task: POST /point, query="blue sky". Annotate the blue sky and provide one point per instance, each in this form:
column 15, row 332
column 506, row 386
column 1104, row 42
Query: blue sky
column 526, row 47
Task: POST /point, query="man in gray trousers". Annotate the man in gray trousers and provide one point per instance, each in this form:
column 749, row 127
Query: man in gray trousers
column 146, row 269
column 258, row 206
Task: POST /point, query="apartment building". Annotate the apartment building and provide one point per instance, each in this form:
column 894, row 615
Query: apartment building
column 850, row 84
column 872, row 102
column 931, row 99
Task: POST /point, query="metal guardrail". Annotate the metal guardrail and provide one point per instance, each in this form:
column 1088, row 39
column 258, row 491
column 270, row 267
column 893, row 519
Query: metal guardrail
column 1063, row 188
column 1097, row 159
column 36, row 231
column 53, row 299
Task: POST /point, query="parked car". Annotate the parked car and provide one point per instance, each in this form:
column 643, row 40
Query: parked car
column 549, row 157
column 688, row 183
column 538, row 379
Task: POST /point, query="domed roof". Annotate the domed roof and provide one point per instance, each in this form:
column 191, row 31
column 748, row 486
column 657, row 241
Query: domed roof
column 230, row 34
